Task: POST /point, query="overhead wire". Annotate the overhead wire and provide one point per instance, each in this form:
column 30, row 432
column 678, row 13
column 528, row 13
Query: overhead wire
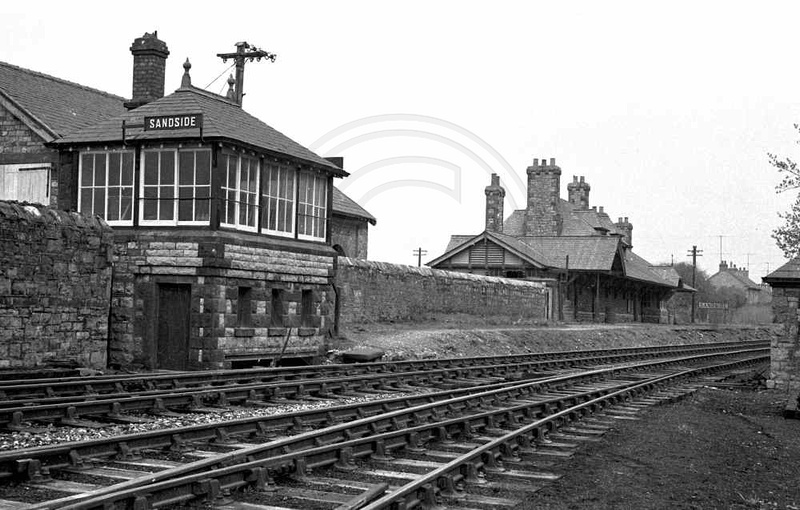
column 220, row 74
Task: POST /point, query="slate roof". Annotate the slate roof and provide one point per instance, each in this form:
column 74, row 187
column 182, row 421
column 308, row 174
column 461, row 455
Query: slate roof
column 669, row 274
column 787, row 273
column 456, row 241
column 57, row 105
column 733, row 278
column 585, row 253
column 514, row 225
column 638, row 268
column 346, row 206
column 575, row 222
column 746, row 281
column 222, row 119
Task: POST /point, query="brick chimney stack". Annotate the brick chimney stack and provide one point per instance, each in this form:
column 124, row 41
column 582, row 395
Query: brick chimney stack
column 495, row 195
column 624, row 226
column 149, row 66
column 544, row 185
column 579, row 192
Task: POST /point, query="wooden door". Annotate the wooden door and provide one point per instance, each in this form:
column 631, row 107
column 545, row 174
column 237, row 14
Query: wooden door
column 172, row 346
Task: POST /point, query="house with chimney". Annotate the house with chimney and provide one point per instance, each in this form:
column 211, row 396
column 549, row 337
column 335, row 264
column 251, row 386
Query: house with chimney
column 224, row 227
column 586, row 257
column 738, row 279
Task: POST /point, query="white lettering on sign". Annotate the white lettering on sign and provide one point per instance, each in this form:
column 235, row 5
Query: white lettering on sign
column 189, row 121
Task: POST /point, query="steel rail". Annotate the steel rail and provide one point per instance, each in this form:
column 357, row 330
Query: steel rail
column 38, row 389
column 492, row 454
column 30, row 462
column 411, row 426
column 237, row 378
column 114, row 406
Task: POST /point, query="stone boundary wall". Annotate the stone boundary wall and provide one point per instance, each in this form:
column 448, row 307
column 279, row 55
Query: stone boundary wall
column 785, row 348
column 55, row 285
column 371, row 291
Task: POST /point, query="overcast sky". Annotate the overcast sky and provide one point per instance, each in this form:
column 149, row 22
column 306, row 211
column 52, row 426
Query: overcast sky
column 668, row 110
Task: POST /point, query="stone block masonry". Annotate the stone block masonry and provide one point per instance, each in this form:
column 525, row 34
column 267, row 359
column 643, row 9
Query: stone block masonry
column 377, row 291
column 55, row 284
column 785, row 348
column 246, row 296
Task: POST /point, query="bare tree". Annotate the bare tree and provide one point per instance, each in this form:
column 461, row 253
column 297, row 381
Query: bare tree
column 787, row 236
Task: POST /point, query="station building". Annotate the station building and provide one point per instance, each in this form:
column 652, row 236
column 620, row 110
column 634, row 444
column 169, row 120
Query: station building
column 588, row 259
column 223, row 227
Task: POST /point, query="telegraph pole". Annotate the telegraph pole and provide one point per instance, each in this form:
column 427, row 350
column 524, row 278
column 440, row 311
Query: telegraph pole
column 244, row 52
column 694, row 253
column 419, row 252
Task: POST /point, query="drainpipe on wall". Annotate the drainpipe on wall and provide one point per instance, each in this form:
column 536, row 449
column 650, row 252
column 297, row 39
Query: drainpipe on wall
column 337, row 307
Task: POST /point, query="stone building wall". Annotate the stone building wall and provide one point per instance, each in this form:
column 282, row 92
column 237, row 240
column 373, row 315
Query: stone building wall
column 224, row 272
column 785, row 349
column 55, row 283
column 377, row 291
column 350, row 235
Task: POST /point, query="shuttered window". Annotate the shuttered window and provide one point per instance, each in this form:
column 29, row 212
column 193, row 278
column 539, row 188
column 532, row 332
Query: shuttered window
column 25, row 183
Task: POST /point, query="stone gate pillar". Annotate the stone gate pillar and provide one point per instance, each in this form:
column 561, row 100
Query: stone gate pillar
column 785, row 349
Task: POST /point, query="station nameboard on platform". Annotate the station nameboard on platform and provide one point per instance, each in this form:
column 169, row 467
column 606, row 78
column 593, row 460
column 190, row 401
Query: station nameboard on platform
column 164, row 122
column 714, row 306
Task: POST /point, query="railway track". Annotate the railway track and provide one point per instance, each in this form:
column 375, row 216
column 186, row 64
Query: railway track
column 28, row 390
column 29, row 404
column 306, row 459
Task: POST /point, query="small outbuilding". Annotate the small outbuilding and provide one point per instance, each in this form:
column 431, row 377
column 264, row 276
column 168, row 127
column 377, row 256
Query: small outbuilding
column 785, row 364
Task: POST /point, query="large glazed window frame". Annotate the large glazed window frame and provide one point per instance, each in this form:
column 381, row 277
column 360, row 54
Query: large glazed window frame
column 176, row 186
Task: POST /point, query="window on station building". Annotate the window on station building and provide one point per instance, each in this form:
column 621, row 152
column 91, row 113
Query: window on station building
column 277, row 200
column 106, row 185
column 240, row 191
column 194, row 186
column 176, row 187
column 312, row 206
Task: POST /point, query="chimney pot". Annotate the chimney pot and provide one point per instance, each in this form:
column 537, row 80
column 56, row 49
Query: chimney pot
column 582, row 178
column 601, row 209
column 552, row 161
column 495, row 195
column 149, row 65
column 535, row 161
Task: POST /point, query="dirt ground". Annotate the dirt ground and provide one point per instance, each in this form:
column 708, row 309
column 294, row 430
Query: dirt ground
column 719, row 449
